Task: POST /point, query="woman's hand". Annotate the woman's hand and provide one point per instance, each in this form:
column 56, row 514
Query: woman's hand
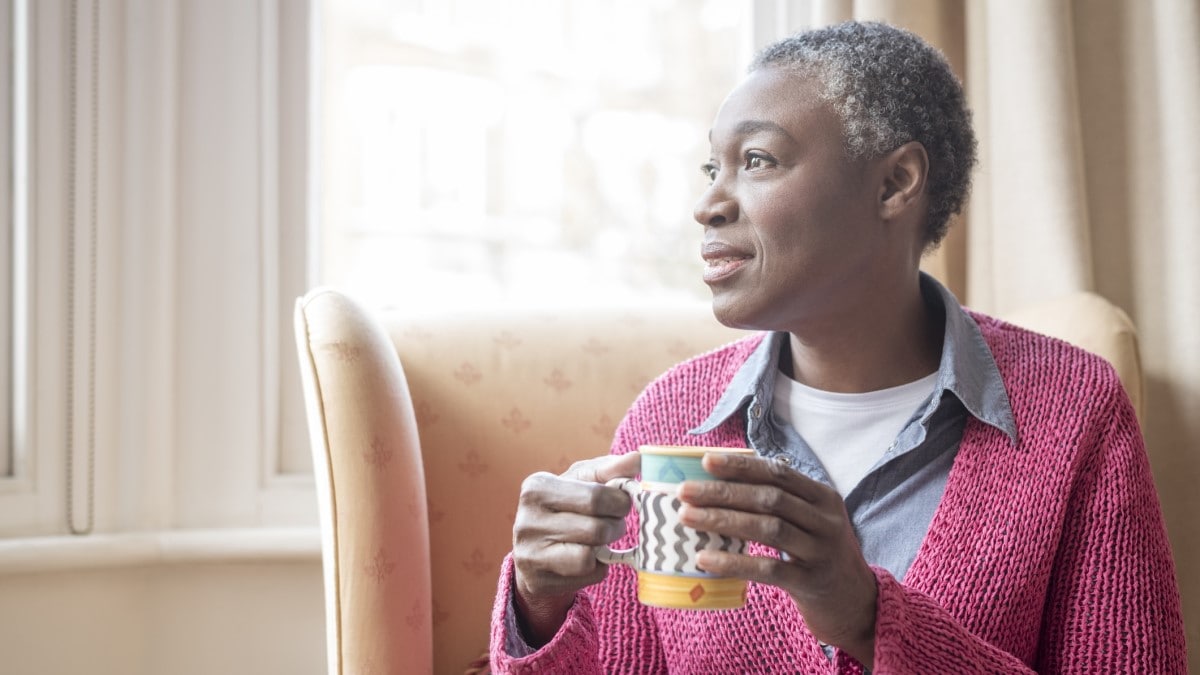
column 560, row 519
column 823, row 569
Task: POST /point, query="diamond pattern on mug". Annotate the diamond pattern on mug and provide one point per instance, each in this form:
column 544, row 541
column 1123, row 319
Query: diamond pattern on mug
column 669, row 472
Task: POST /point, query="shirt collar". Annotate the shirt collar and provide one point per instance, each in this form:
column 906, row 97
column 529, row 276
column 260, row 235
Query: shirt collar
column 967, row 369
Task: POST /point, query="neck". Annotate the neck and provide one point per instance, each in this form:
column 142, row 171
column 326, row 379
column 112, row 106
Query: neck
column 890, row 339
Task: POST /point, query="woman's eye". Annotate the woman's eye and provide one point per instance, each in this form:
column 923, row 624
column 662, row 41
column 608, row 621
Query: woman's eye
column 757, row 162
column 709, row 171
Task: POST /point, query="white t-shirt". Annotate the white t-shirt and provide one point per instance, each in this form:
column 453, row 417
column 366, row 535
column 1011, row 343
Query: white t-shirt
column 849, row 432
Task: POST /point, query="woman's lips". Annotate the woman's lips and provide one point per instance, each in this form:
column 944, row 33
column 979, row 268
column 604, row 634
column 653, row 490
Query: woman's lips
column 717, row 269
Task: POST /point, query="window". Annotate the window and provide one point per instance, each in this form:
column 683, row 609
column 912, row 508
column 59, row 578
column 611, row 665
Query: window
column 502, row 153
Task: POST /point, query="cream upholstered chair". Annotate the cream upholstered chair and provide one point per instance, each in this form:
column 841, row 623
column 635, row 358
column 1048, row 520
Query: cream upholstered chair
column 424, row 427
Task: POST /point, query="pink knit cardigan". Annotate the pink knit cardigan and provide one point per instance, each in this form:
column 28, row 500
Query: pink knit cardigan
column 1046, row 556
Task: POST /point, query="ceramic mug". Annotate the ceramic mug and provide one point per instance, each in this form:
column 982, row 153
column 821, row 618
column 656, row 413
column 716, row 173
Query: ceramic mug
column 666, row 551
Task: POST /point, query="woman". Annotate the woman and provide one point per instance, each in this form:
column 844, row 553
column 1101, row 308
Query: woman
column 933, row 490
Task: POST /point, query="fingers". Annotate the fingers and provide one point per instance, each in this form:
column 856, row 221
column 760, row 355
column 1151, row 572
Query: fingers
column 754, row 568
column 548, row 492
column 567, row 528
column 556, row 570
column 761, row 471
column 770, row 530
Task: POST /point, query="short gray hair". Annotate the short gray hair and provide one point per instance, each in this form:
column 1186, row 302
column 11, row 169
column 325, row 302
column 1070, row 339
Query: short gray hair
column 890, row 87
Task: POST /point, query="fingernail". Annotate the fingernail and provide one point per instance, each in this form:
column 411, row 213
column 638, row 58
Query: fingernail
column 717, row 459
column 685, row 512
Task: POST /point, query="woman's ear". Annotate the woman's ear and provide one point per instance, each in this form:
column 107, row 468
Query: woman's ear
column 905, row 170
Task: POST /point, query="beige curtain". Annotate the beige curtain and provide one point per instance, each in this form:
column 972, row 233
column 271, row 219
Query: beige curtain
column 1088, row 114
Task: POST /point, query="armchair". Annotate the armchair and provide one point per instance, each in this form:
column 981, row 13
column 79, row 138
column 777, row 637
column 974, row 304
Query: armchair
column 423, row 428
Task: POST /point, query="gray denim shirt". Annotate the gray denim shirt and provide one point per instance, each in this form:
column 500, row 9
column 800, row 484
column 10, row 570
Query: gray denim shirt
column 892, row 506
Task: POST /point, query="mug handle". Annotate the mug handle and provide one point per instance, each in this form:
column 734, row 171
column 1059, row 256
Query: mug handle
column 621, row 556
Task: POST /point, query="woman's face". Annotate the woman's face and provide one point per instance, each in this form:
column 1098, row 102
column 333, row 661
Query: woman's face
column 792, row 229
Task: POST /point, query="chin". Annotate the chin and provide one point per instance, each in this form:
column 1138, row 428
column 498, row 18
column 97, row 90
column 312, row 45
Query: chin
column 734, row 314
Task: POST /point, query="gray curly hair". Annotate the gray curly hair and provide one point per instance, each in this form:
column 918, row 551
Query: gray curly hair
column 890, row 87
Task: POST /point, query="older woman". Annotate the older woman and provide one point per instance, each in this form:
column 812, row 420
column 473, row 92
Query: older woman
column 932, row 490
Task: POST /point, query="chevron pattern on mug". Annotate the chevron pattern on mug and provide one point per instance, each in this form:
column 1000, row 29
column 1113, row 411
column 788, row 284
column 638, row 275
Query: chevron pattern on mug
column 666, row 545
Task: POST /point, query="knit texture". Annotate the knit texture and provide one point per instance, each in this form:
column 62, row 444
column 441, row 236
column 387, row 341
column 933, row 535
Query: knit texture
column 1046, row 556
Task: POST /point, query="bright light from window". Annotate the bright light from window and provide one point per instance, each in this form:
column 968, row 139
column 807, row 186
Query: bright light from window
column 538, row 152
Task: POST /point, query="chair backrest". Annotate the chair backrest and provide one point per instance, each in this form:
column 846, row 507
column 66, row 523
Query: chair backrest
column 1090, row 321
column 414, row 530
column 495, row 397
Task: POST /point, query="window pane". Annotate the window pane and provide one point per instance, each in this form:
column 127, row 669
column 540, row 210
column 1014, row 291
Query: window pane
column 476, row 152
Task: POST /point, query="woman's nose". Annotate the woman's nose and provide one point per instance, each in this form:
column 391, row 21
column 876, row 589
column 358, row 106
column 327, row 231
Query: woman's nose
column 716, row 207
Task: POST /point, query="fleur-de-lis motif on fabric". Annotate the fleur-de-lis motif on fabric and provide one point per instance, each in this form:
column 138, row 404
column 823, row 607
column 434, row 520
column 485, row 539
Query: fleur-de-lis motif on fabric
column 557, row 381
column 506, row 340
column 467, row 373
column 416, row 617
column 380, row 567
column 426, row 415
column 595, row 347
column 439, row 614
column 604, row 427
column 473, row 466
column 516, row 421
column 379, row 455
column 477, row 564
column 435, row 514
column 344, row 351
column 679, row 349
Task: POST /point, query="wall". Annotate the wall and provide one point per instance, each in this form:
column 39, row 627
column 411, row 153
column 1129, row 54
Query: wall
column 179, row 619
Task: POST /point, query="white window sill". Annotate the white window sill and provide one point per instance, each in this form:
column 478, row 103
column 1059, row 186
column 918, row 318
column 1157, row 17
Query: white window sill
column 54, row 554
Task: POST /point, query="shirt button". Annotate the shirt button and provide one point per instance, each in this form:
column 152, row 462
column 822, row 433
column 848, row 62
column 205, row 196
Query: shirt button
column 784, row 460
column 756, row 411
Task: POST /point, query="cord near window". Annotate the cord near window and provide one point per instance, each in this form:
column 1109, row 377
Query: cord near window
column 73, row 225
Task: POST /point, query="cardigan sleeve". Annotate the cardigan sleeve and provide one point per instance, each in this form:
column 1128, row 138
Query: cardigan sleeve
column 1114, row 602
column 606, row 630
column 1112, row 605
column 572, row 649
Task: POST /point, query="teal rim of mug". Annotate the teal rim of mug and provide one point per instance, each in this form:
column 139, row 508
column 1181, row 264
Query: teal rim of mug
column 668, row 465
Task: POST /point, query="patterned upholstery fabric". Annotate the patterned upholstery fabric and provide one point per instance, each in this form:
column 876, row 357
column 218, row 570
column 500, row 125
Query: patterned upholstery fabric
column 414, row 532
column 495, row 397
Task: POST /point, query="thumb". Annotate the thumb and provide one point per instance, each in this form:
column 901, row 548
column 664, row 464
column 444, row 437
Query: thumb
column 620, row 466
column 605, row 469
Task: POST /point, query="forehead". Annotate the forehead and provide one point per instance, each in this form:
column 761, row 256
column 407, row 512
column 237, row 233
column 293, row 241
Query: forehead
column 782, row 98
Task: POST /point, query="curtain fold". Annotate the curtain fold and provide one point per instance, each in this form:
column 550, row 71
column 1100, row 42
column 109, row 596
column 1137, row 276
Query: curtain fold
column 1088, row 116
